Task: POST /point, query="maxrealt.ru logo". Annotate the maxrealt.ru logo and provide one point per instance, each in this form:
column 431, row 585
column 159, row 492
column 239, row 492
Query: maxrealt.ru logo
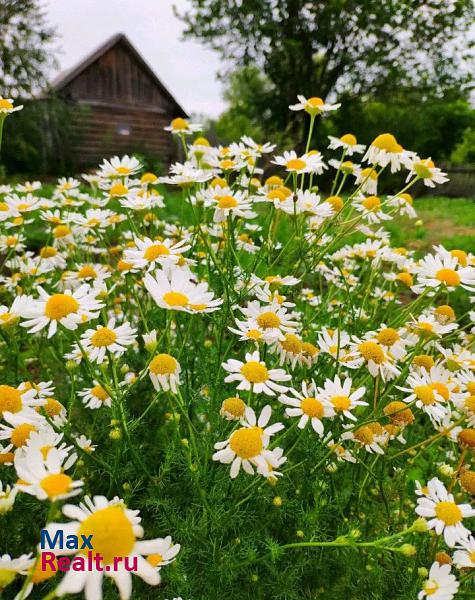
column 85, row 559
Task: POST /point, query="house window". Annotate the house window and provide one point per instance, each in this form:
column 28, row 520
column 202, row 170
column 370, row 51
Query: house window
column 123, row 129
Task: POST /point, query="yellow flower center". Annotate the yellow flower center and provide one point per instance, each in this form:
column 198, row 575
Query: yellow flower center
column 255, row 372
column 349, row 139
column 309, row 349
column 175, row 299
column 315, row 102
column 364, row 435
column 469, row 404
column 163, row 364
column 336, row 203
column 153, row 252
column 423, row 167
column 444, row 314
column 103, row 337
column 372, row 203
column 291, row 343
column 246, row 442
column 60, row 306
column 201, row 141
column 6, row 457
column 123, row 170
column 21, row 434
column 388, row 336
column 10, row 399
column 296, row 164
column 461, row 256
column 254, row 334
column 61, row 231
column 48, row 252
column 448, row 512
column 100, row 393
column 87, row 272
column 226, row 202
column 448, row 276
column 234, row 406
column 118, row 189
column 56, row 485
column 405, row 278
column 340, row 403
column 268, row 320
column 43, row 572
column 369, row 173
column 312, row 407
column 371, row 351
column 112, row 533
column 430, row 587
column 155, row 559
column 179, row 123
column 441, row 389
column 52, row 407
column 4, row 103
column 407, row 198
column 387, row 142
column 425, row 394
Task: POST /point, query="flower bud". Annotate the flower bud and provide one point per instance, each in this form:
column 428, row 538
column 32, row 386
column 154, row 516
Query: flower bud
column 420, row 525
column 408, row 550
column 115, row 434
column 277, row 501
column 422, row 572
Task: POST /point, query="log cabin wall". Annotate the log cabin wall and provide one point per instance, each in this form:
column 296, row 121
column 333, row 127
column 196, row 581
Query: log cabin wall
column 120, row 106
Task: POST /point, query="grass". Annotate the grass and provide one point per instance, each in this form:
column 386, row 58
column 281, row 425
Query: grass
column 447, row 221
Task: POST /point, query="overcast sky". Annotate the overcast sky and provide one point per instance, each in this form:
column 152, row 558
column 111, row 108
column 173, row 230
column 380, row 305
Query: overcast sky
column 187, row 69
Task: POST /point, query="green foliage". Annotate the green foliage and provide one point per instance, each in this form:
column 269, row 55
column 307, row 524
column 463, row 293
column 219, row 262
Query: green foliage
column 464, row 151
column 322, row 48
column 38, row 139
column 26, row 53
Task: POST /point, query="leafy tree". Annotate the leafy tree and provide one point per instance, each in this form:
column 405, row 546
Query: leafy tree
column 464, row 152
column 323, row 48
column 25, row 55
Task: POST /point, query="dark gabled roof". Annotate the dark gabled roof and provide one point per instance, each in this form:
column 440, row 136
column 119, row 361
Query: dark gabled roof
column 69, row 75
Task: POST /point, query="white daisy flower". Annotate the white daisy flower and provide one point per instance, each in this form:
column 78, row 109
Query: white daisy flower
column 443, row 270
column 164, row 371
column 95, row 397
column 464, row 556
column 111, row 339
column 7, row 107
column 307, row 163
column 440, row 584
column 119, row 167
column 443, row 514
column 338, row 394
column 426, row 170
column 7, row 498
column 44, row 476
column 176, row 291
column 247, row 446
column 348, row 142
column 313, row 106
column 182, row 126
column 384, row 150
column 151, row 254
column 306, row 405
column 114, row 530
column 254, row 375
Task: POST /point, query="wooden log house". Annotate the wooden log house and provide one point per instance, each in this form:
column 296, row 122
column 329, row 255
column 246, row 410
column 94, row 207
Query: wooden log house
column 119, row 105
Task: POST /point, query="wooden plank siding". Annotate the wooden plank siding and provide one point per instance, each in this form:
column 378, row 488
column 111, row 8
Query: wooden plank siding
column 120, row 105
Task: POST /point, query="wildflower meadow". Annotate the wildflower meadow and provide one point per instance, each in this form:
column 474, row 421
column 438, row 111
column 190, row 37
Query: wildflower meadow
column 227, row 383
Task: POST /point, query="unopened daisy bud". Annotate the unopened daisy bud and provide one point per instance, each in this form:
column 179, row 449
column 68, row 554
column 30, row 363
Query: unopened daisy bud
column 467, row 438
column 355, row 533
column 185, row 442
column 419, row 223
column 446, row 470
column 277, row 501
column 124, row 369
column 208, row 343
column 467, row 481
column 71, row 365
column 150, row 340
column 422, row 572
column 126, row 486
column 299, row 533
column 332, row 468
column 80, row 463
column 115, row 434
column 407, row 550
column 114, row 422
column 420, row 525
column 254, row 578
column 444, row 314
column 443, row 558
